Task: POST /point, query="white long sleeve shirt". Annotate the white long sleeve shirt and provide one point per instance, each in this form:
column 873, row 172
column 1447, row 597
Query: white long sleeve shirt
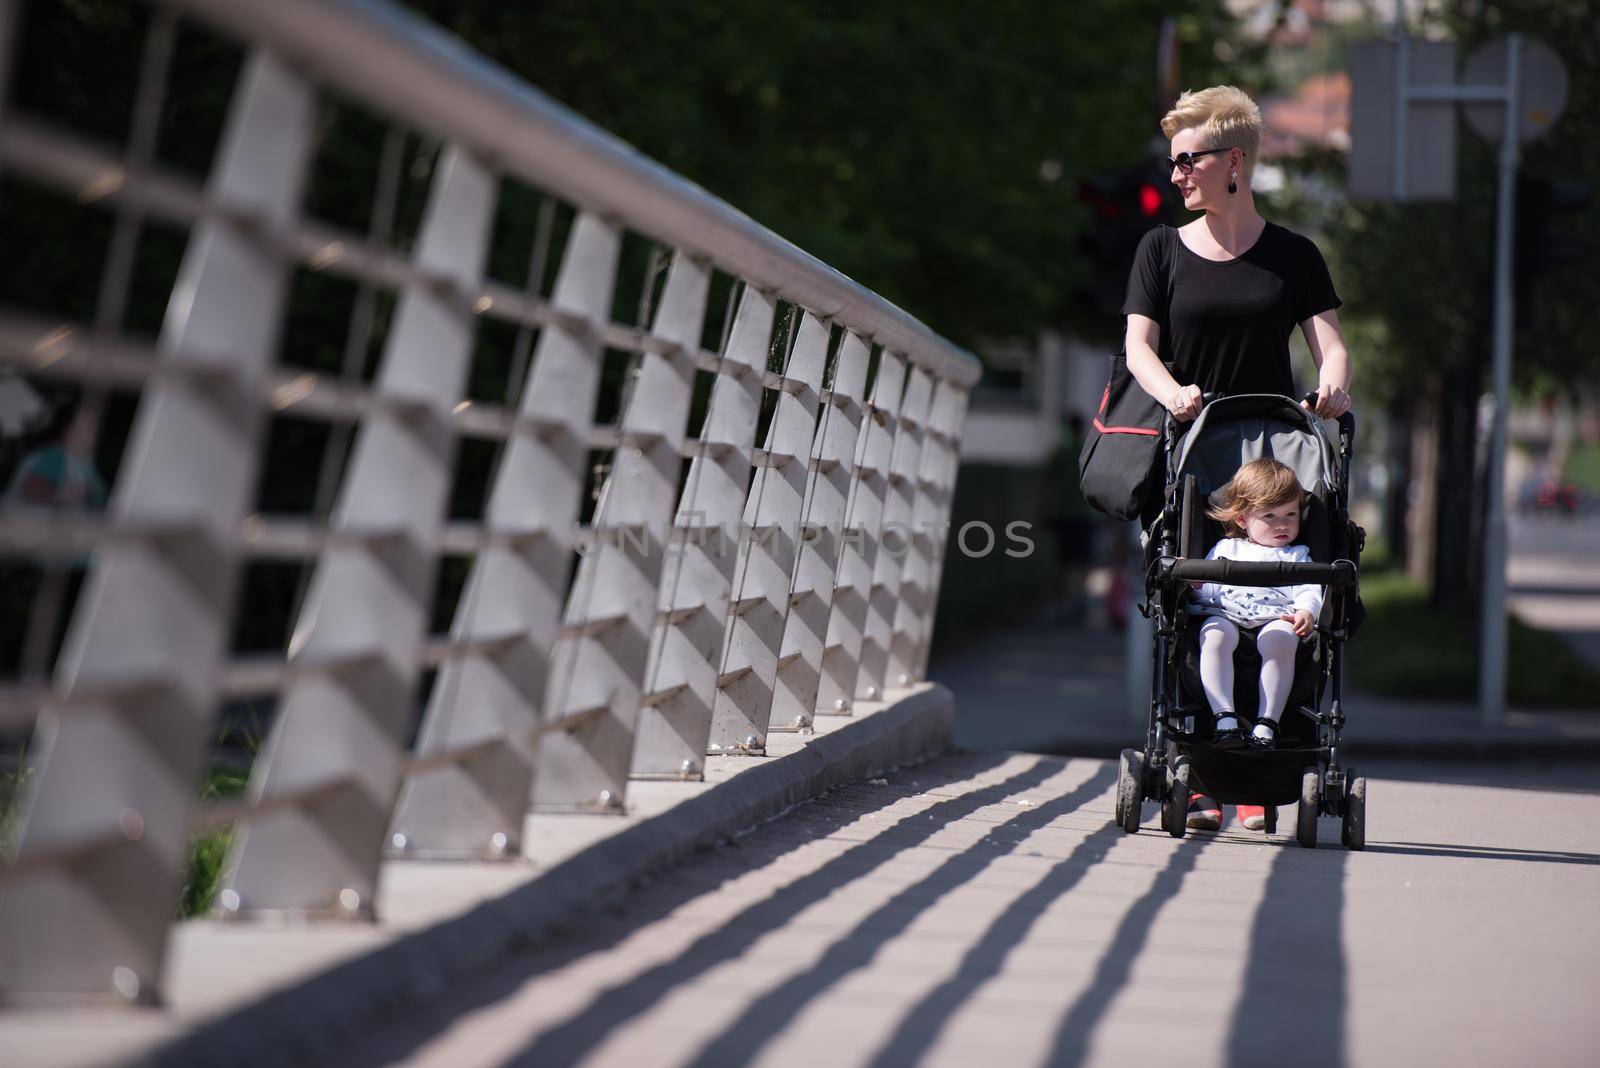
column 1253, row 605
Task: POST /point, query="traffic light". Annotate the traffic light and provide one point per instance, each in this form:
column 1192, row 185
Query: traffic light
column 1124, row 204
column 1546, row 236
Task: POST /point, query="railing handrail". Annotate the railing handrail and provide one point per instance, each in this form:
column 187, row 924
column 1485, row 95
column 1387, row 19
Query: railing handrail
column 385, row 55
column 582, row 653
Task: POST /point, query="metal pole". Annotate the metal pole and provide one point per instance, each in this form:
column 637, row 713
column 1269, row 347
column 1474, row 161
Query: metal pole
column 1138, row 633
column 1492, row 652
column 1402, row 104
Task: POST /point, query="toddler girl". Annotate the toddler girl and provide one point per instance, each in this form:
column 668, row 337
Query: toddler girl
column 1260, row 515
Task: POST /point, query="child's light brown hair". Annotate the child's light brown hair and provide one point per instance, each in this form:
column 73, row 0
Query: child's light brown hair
column 1259, row 484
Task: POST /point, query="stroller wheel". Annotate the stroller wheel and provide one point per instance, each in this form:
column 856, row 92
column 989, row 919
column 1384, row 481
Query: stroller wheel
column 1353, row 831
column 1175, row 809
column 1305, row 830
column 1271, row 824
column 1130, row 790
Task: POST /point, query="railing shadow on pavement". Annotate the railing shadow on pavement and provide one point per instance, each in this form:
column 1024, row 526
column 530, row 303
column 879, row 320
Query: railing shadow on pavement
column 613, row 1006
column 1076, row 1030
column 569, row 1041
column 1469, row 852
column 1294, row 994
column 920, row 1028
column 742, row 1039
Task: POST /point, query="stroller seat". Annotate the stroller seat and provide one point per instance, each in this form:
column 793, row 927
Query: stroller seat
column 1200, row 532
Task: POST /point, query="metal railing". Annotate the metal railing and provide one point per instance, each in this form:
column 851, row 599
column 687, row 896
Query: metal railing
column 724, row 587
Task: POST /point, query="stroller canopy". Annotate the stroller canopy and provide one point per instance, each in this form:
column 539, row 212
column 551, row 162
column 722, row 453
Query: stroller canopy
column 1231, row 431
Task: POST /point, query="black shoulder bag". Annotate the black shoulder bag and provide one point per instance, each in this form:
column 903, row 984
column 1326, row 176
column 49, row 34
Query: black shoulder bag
column 1119, row 469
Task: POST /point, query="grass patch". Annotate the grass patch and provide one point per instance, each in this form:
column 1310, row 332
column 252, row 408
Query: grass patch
column 207, row 852
column 1408, row 648
column 1583, row 467
column 12, row 782
column 202, row 873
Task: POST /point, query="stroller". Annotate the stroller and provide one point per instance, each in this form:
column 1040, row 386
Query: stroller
column 1178, row 759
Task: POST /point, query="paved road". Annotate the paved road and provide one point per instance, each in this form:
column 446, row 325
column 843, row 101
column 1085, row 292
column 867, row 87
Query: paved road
column 980, row 911
column 1554, row 574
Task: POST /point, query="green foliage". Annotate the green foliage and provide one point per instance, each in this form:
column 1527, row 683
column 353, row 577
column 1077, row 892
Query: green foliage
column 13, row 781
column 1408, row 648
column 932, row 151
column 1583, row 467
column 207, row 852
column 1416, row 278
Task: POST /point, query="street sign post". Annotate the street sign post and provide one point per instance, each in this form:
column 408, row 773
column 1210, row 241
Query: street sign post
column 1403, row 146
column 1401, row 91
column 1541, row 83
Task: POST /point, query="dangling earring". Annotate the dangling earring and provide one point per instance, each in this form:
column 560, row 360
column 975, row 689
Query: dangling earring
column 1233, row 186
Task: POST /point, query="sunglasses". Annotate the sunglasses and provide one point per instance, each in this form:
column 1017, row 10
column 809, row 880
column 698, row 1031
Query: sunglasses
column 1184, row 161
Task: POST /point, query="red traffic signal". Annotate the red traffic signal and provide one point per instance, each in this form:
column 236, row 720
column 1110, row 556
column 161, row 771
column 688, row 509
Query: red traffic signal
column 1149, row 200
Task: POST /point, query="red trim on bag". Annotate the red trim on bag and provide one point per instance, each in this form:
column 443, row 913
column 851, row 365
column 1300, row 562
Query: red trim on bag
column 1098, row 425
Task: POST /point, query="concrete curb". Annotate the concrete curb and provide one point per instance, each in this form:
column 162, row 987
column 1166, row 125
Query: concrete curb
column 1355, row 749
column 310, row 1021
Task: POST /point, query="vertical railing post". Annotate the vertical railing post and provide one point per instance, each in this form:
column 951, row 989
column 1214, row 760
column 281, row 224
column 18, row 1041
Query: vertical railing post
column 517, row 585
column 896, row 535
column 944, row 452
column 117, row 764
column 794, row 699
column 686, row 649
column 742, row 709
column 929, row 542
column 599, row 662
column 841, row 656
column 329, row 773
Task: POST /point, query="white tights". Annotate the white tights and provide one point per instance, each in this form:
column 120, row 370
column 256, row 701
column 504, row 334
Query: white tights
column 1276, row 642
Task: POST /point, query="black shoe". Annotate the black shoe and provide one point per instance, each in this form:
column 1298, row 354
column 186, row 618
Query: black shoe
column 1230, row 738
column 1268, row 743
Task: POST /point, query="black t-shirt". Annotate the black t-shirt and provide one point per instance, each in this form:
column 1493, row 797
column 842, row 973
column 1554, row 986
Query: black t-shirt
column 1230, row 321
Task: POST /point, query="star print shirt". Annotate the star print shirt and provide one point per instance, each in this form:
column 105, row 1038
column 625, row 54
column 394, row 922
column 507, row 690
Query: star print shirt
column 1251, row 606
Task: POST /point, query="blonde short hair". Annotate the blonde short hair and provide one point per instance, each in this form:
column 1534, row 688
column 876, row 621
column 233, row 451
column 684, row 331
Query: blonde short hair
column 1225, row 116
column 1263, row 483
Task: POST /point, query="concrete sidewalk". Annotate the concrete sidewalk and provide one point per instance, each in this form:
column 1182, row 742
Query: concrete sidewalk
column 1554, row 575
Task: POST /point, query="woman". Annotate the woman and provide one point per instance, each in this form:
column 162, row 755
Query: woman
column 1212, row 304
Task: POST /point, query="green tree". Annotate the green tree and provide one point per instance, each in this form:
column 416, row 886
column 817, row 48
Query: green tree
column 1417, row 280
column 931, row 151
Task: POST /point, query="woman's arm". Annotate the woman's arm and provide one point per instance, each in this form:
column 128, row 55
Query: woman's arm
column 1333, row 363
column 1141, row 344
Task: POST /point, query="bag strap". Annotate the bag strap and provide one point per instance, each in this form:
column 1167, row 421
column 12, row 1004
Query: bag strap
column 1172, row 279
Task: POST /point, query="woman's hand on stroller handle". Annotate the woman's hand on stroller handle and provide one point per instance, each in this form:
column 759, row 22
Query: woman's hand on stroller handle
column 1328, row 402
column 1185, row 404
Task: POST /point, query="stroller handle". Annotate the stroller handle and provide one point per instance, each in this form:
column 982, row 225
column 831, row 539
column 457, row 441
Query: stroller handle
column 1347, row 421
column 1339, row 574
